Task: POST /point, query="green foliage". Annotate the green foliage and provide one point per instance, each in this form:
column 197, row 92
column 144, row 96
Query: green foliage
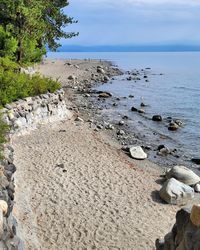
column 8, row 44
column 31, row 25
column 7, row 64
column 14, row 86
column 3, row 131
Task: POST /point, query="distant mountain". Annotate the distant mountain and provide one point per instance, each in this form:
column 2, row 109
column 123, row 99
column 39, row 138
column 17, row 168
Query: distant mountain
column 131, row 48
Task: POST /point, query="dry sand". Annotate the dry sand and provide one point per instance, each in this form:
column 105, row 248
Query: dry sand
column 77, row 190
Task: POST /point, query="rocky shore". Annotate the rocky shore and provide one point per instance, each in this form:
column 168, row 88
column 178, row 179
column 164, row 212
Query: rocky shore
column 85, row 187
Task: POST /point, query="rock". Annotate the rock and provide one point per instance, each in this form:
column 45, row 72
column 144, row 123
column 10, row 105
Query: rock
column 185, row 234
column 105, row 95
column 137, row 153
column 164, row 151
column 3, row 207
column 176, row 192
column 72, row 77
column 145, row 76
column 141, row 111
column 131, row 96
column 79, row 119
column 196, row 160
column 121, row 123
column 129, row 78
column 157, row 118
column 161, row 147
column 178, row 122
column 120, row 132
column 100, row 70
column 106, row 79
column 134, row 109
column 142, row 104
column 110, row 126
column 195, row 215
column 197, row 188
column 183, row 174
column 173, row 126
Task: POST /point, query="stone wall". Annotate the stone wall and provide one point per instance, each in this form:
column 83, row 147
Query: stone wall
column 23, row 116
column 8, row 238
column 28, row 113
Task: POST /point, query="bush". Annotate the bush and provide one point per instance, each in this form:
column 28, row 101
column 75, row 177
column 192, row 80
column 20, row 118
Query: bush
column 15, row 85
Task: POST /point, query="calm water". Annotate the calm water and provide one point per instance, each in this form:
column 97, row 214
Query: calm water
column 176, row 93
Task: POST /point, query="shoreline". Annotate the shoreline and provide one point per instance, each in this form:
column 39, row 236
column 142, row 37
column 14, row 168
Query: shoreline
column 80, row 183
column 88, row 95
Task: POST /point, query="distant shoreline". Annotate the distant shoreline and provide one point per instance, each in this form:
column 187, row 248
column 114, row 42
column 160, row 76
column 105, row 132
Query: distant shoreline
column 130, row 48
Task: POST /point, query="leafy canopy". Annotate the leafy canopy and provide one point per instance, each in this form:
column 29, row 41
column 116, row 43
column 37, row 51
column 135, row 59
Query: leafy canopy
column 28, row 26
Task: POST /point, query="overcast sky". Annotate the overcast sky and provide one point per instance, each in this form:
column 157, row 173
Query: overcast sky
column 130, row 22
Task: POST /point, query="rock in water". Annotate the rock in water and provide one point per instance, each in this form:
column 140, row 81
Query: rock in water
column 134, row 109
column 173, row 126
column 105, row 95
column 196, row 160
column 176, row 192
column 138, row 153
column 184, row 175
column 157, row 118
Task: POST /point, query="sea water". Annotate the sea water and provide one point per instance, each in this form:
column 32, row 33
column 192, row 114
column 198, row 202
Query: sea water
column 173, row 91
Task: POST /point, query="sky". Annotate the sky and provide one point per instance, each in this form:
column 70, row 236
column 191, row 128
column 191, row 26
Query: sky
column 134, row 22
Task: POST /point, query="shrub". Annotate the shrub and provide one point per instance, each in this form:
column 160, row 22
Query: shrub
column 15, row 85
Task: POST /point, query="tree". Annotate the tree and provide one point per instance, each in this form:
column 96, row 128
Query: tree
column 35, row 24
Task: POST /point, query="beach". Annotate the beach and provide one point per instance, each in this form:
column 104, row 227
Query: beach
column 75, row 187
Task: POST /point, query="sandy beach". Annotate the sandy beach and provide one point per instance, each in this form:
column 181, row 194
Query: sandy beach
column 75, row 187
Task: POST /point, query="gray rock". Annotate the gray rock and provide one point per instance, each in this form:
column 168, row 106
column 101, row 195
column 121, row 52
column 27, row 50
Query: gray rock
column 183, row 174
column 137, row 153
column 184, row 235
column 176, row 192
column 100, row 71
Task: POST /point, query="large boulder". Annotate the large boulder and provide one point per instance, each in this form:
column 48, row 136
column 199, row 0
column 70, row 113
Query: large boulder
column 137, row 153
column 185, row 234
column 184, row 175
column 176, row 192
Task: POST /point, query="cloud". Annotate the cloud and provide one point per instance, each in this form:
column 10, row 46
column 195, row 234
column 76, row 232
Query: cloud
column 141, row 2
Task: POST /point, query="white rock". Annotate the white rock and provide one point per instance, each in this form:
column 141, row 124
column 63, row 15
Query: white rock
column 79, row 119
column 184, row 175
column 197, row 188
column 176, row 192
column 138, row 153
